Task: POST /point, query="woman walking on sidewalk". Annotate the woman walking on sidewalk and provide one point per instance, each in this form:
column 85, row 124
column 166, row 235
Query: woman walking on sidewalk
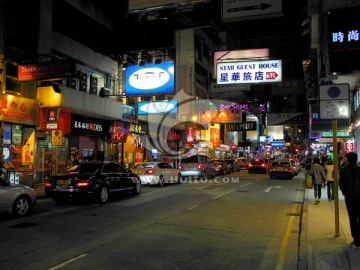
column 329, row 169
column 349, row 183
column 318, row 177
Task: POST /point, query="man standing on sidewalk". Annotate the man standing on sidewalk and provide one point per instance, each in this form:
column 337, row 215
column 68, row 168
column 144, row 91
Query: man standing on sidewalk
column 349, row 183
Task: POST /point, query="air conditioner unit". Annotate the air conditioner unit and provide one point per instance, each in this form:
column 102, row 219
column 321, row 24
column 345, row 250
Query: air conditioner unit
column 105, row 92
column 72, row 83
column 82, row 77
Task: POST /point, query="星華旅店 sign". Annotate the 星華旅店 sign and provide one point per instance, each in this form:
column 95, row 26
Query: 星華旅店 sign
column 249, row 72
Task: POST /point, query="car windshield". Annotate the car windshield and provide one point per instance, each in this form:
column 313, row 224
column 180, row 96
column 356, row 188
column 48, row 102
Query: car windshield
column 280, row 163
column 257, row 162
column 90, row 168
column 144, row 166
column 193, row 159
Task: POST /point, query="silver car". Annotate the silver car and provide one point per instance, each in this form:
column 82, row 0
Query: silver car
column 156, row 173
column 197, row 166
column 18, row 200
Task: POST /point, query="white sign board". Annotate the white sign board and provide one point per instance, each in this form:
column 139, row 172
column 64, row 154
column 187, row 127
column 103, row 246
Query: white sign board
column 249, row 72
column 152, row 4
column 334, row 91
column 334, row 109
column 334, row 101
column 233, row 10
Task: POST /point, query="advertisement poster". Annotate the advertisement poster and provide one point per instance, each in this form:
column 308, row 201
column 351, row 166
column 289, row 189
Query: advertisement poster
column 28, row 149
column 139, row 155
column 215, row 136
column 16, row 134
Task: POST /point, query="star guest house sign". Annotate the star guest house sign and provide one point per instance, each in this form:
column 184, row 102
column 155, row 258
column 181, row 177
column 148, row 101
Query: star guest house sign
column 249, row 72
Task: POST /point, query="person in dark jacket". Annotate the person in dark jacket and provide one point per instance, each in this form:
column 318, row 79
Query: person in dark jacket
column 318, row 174
column 349, row 183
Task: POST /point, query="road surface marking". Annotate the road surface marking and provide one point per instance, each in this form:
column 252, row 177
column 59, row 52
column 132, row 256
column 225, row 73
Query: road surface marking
column 281, row 257
column 269, row 188
column 67, row 262
column 223, row 194
column 192, row 207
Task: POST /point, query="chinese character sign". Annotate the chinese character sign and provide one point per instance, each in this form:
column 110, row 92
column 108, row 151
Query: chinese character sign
column 249, row 72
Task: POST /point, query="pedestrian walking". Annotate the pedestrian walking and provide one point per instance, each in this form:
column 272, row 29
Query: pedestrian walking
column 329, row 169
column 73, row 160
column 349, row 183
column 318, row 177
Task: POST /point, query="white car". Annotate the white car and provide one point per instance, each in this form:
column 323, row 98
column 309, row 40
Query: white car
column 18, row 200
column 156, row 173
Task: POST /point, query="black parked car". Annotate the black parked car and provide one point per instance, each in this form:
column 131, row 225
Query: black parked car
column 92, row 179
column 257, row 166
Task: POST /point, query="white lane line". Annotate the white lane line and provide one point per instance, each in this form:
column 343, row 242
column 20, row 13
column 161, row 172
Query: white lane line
column 269, row 188
column 67, row 262
column 209, row 186
column 192, row 207
column 246, row 184
column 223, row 194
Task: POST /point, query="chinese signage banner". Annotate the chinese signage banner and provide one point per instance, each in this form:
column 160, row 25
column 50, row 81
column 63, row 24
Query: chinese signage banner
column 215, row 137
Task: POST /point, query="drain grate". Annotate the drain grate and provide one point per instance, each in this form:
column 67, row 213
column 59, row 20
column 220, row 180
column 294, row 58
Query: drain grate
column 23, row 225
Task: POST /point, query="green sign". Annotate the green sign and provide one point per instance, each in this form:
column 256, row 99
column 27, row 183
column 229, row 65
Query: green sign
column 339, row 134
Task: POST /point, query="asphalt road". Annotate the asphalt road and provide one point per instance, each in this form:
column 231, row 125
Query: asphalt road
column 241, row 221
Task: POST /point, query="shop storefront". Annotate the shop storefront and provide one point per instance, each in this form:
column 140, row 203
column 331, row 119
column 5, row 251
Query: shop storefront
column 18, row 118
column 61, row 134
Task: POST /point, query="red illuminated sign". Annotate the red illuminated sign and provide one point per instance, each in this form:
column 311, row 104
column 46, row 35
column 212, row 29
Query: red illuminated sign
column 46, row 70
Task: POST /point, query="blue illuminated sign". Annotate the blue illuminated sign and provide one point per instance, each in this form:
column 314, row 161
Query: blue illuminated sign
column 157, row 107
column 150, row 79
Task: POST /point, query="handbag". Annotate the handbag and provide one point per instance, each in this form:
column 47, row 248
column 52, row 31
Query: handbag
column 309, row 183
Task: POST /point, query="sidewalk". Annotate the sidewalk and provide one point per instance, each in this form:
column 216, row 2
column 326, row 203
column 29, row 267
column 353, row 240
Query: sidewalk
column 319, row 248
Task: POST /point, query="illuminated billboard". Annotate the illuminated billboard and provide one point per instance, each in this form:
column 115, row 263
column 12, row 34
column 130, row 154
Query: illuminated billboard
column 157, row 107
column 249, row 72
column 150, row 79
column 240, row 55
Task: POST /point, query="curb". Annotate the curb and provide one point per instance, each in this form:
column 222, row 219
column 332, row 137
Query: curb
column 302, row 256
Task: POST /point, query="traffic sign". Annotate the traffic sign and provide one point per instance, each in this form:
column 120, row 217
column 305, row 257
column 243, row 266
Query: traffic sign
column 56, row 137
column 334, row 101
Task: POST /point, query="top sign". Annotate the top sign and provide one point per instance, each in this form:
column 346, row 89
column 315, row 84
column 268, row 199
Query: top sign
column 334, row 92
column 249, row 72
column 247, row 10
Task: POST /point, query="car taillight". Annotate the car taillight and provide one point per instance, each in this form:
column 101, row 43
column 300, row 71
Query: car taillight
column 47, row 184
column 82, row 184
column 199, row 166
column 149, row 172
column 179, row 167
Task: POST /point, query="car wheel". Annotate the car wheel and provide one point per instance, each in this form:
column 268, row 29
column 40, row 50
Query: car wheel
column 137, row 188
column 21, row 207
column 103, row 195
column 161, row 181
